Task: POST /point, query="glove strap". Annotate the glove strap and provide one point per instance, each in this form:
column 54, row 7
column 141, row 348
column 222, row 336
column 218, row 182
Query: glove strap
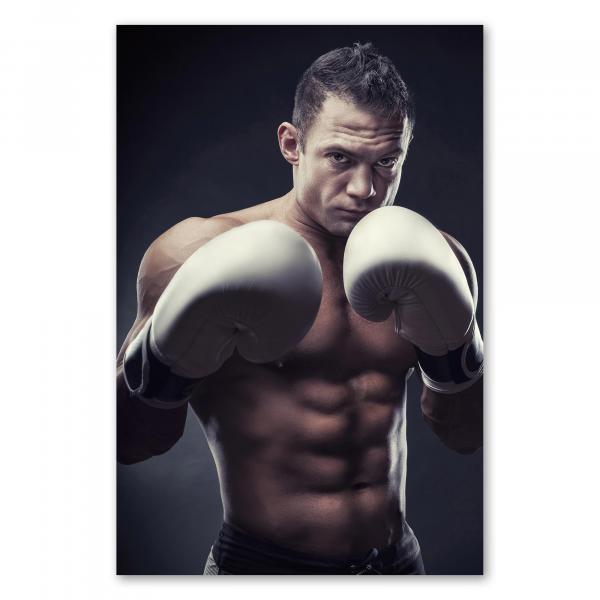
column 151, row 380
column 455, row 371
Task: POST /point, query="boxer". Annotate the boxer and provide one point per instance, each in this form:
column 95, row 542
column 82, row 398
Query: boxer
column 291, row 328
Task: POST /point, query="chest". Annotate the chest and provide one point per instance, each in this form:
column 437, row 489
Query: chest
column 341, row 338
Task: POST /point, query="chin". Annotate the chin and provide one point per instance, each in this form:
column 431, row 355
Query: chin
column 341, row 229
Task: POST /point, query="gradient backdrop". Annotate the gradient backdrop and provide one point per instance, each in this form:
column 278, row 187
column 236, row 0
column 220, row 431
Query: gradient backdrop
column 197, row 113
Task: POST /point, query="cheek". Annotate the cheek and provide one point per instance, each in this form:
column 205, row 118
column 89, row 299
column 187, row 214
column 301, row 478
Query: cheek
column 323, row 183
column 388, row 186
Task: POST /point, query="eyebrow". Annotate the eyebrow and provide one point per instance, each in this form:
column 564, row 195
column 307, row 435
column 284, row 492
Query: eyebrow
column 343, row 150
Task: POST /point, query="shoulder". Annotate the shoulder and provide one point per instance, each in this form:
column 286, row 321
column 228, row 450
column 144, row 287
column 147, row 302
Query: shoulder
column 170, row 250
column 175, row 245
column 265, row 210
column 194, row 231
column 457, row 248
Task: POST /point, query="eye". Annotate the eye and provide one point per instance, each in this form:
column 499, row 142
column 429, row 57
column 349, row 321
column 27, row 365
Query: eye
column 338, row 158
column 388, row 162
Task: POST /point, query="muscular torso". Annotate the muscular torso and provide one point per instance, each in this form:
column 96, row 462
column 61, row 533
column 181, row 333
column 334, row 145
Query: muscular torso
column 311, row 450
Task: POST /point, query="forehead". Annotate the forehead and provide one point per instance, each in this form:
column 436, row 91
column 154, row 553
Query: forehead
column 342, row 122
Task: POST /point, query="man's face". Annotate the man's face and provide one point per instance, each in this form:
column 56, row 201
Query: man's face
column 351, row 164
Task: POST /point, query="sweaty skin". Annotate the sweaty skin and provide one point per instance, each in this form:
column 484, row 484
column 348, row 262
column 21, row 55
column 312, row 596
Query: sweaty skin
column 311, row 449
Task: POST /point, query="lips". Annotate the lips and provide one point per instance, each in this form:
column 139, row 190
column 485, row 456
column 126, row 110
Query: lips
column 354, row 213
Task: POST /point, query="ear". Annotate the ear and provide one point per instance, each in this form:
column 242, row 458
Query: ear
column 289, row 145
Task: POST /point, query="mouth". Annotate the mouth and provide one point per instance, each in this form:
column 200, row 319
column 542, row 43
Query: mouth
column 357, row 214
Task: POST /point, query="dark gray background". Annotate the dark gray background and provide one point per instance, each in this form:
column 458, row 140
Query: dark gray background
column 197, row 112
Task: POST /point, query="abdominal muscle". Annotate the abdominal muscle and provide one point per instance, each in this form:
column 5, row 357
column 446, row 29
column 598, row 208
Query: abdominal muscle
column 308, row 458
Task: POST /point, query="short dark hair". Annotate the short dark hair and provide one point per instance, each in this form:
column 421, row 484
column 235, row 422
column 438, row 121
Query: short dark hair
column 358, row 74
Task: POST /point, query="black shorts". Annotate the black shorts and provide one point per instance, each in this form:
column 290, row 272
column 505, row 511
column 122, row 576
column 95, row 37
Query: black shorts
column 238, row 553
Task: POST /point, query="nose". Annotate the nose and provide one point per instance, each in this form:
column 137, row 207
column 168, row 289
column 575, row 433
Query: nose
column 360, row 186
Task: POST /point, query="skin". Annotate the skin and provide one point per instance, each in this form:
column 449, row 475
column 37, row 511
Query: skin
column 311, row 450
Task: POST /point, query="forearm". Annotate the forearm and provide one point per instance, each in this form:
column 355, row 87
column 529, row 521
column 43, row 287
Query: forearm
column 142, row 430
column 456, row 419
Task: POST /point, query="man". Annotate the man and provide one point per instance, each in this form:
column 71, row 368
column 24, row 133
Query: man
column 291, row 328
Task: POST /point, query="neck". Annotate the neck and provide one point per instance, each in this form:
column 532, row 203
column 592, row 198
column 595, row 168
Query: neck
column 297, row 218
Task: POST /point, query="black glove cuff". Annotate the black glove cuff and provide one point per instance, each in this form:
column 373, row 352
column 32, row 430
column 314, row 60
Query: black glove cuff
column 455, row 371
column 151, row 380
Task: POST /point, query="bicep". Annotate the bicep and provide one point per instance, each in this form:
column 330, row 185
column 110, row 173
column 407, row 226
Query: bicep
column 154, row 274
column 157, row 267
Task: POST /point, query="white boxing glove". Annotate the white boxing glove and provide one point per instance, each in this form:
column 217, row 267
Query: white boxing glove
column 255, row 288
column 396, row 260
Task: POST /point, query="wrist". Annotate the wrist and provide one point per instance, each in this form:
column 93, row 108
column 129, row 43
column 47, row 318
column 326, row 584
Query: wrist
column 149, row 379
column 456, row 370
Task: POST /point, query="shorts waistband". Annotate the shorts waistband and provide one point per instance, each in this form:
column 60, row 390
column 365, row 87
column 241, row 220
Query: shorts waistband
column 241, row 553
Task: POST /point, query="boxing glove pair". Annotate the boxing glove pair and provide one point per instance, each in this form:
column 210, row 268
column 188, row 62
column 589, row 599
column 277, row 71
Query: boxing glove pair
column 257, row 288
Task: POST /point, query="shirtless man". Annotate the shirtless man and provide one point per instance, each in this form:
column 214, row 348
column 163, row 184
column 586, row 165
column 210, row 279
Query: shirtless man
column 291, row 328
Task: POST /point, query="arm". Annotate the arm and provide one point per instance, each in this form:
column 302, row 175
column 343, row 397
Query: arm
column 144, row 431
column 255, row 288
column 457, row 419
